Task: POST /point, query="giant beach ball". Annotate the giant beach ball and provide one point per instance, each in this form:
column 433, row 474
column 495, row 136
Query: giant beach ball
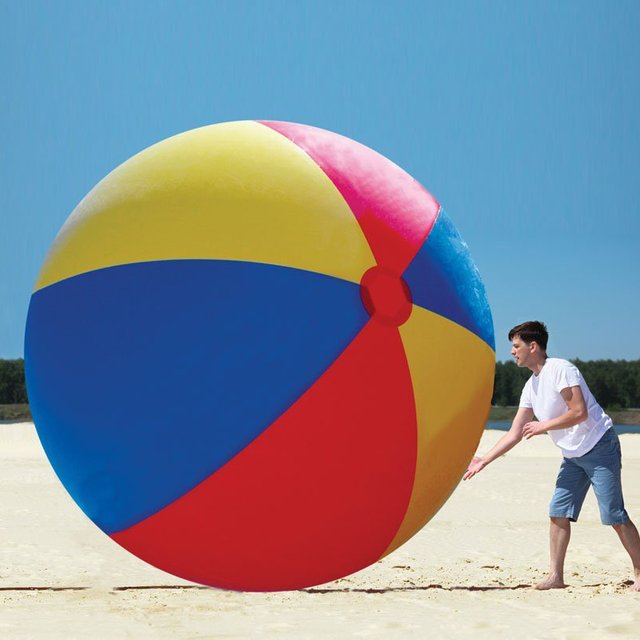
column 259, row 355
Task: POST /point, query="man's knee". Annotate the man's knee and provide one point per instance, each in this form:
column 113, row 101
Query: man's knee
column 560, row 522
column 622, row 526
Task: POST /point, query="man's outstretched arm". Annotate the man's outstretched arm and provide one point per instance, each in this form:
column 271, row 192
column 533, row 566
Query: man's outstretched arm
column 506, row 443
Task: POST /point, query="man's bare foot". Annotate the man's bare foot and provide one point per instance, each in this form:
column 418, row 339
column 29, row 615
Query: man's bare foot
column 550, row 582
column 636, row 585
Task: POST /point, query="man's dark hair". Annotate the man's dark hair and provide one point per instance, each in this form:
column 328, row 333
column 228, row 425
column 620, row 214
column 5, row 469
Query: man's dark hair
column 531, row 331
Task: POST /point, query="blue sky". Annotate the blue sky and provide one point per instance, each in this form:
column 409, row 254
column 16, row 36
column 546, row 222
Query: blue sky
column 520, row 117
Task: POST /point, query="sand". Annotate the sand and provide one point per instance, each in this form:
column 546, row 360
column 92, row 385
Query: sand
column 467, row 574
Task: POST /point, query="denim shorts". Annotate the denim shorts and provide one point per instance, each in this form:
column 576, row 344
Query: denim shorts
column 599, row 468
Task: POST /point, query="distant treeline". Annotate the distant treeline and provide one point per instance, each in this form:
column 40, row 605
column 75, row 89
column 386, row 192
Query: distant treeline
column 12, row 386
column 615, row 383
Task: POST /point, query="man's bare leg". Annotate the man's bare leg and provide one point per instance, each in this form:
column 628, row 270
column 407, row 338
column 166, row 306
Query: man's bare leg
column 630, row 539
column 559, row 535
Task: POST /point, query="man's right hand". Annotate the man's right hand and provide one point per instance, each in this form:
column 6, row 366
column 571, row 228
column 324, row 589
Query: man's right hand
column 476, row 465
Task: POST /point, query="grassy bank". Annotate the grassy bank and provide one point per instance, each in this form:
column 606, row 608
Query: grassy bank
column 16, row 412
column 619, row 416
column 501, row 414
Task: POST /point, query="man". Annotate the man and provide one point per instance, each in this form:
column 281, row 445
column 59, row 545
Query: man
column 565, row 408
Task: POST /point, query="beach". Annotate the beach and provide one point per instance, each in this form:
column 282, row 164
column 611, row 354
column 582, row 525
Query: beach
column 467, row 574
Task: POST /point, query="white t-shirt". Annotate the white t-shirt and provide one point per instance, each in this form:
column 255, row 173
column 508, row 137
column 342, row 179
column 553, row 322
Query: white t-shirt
column 542, row 394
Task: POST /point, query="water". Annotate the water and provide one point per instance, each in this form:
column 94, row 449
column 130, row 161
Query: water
column 620, row 428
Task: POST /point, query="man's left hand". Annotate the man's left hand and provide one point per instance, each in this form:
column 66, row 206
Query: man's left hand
column 533, row 429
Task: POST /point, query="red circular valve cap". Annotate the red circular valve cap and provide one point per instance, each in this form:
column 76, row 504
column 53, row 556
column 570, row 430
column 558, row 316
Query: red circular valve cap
column 386, row 296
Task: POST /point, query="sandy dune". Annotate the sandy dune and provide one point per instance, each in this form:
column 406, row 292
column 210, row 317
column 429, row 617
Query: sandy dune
column 466, row 575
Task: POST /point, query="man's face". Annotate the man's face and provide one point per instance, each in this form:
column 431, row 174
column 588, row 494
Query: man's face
column 521, row 351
